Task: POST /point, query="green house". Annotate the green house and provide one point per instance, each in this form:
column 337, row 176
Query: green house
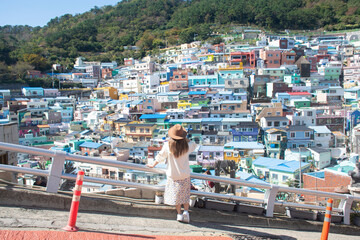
column 300, row 103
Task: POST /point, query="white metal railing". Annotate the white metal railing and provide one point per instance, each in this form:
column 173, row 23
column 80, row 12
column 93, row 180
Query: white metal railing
column 55, row 174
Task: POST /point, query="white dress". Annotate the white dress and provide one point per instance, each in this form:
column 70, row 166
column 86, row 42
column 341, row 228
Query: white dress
column 177, row 189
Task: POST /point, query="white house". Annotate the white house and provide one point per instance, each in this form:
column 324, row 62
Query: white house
column 270, row 122
column 321, row 157
column 322, row 136
column 132, row 85
column 94, row 118
column 303, row 116
column 150, row 83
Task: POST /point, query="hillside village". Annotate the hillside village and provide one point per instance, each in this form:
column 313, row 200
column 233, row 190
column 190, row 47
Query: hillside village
column 284, row 107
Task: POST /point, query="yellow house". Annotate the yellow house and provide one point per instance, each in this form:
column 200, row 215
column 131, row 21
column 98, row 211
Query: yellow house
column 109, row 92
column 108, row 125
column 238, row 150
column 120, row 126
column 184, row 103
column 123, row 96
column 136, row 131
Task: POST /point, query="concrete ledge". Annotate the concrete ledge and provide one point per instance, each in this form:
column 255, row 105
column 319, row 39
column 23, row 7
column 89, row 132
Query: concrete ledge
column 17, row 196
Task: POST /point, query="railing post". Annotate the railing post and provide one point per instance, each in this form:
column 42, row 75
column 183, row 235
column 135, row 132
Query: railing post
column 270, row 197
column 55, row 172
column 346, row 204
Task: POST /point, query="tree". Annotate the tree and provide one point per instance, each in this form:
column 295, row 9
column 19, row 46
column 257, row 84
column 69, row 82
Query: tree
column 67, row 184
column 37, row 61
column 20, row 69
column 217, row 40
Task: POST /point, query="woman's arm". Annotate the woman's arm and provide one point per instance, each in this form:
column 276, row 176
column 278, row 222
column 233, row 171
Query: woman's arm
column 152, row 165
column 160, row 157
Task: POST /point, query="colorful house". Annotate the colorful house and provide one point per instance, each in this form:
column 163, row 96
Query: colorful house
column 238, row 151
column 159, row 119
column 278, row 171
column 136, row 131
column 88, row 147
column 299, row 136
column 275, row 142
column 33, row 91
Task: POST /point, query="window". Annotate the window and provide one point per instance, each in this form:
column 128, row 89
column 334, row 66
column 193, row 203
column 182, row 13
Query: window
column 141, row 130
column 292, row 135
column 285, row 178
column 309, row 114
column 217, row 153
column 275, row 176
column 294, row 145
column 269, row 124
column 307, row 134
column 147, row 130
column 236, row 155
column 228, row 154
column 242, row 153
column 132, row 129
column 277, row 113
column 276, row 124
column 249, row 129
column 269, row 113
column 278, row 137
column 284, row 123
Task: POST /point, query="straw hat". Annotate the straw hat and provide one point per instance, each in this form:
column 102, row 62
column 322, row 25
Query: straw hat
column 177, row 132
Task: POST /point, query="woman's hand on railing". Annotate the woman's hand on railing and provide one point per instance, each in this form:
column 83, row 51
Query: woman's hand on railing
column 150, row 165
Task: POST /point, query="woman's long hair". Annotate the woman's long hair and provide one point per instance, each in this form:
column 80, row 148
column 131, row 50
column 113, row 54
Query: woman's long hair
column 178, row 147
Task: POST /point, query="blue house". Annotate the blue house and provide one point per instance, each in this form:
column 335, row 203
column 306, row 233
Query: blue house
column 299, row 136
column 354, row 118
column 245, row 132
column 33, row 91
column 159, row 119
column 203, row 80
column 230, row 74
column 278, row 171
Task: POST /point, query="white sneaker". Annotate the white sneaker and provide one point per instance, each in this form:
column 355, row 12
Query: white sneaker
column 180, row 217
column 186, row 217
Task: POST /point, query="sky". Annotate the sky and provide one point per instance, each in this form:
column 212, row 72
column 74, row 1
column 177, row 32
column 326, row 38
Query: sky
column 40, row 12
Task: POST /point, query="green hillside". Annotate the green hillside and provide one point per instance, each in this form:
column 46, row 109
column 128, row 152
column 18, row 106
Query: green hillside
column 103, row 33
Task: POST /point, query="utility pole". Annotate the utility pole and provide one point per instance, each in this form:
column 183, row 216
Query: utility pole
column 299, row 167
column 52, row 75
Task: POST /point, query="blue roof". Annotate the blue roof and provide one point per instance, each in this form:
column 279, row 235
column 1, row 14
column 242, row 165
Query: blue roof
column 211, row 148
column 245, row 145
column 211, row 119
column 169, row 93
column 152, row 116
column 197, row 92
column 279, row 165
column 225, row 92
column 84, row 132
column 317, row 174
column 91, row 145
column 187, row 120
column 33, row 88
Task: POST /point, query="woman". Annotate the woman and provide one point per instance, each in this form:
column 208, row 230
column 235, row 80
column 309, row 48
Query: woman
column 176, row 151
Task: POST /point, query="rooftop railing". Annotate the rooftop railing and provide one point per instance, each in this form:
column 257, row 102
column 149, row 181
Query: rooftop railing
column 55, row 174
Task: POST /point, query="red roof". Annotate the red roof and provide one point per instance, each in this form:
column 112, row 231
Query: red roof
column 298, row 93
